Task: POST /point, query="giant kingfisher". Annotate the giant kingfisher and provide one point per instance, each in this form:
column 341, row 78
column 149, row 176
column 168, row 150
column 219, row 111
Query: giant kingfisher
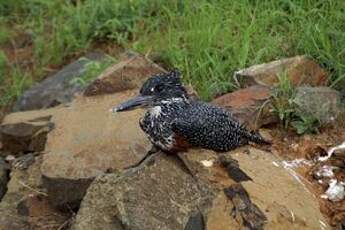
column 175, row 122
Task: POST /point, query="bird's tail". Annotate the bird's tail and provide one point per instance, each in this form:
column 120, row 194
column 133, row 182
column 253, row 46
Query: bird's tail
column 253, row 137
column 256, row 138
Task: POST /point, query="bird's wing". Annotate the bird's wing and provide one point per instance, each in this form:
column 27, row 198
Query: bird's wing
column 212, row 129
column 187, row 130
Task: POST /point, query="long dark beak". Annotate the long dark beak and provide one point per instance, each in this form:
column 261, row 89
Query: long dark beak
column 138, row 101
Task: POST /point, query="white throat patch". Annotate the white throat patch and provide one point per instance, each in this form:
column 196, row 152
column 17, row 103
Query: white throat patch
column 156, row 111
column 172, row 100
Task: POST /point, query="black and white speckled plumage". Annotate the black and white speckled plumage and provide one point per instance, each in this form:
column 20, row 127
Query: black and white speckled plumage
column 173, row 117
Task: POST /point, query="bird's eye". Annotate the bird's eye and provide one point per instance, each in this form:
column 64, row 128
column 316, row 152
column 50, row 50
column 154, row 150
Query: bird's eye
column 159, row 88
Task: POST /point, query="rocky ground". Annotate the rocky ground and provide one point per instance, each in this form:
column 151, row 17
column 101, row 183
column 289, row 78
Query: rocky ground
column 68, row 163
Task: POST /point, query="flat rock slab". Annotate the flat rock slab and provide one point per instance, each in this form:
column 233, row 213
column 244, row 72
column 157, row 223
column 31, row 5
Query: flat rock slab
column 129, row 73
column 56, row 89
column 251, row 106
column 301, row 70
column 284, row 200
column 87, row 141
column 162, row 195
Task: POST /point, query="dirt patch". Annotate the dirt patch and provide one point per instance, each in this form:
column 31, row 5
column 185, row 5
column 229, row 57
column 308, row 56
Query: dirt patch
column 301, row 154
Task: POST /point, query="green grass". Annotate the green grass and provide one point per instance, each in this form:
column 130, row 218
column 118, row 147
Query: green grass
column 19, row 82
column 283, row 100
column 207, row 40
column 306, row 124
column 93, row 69
column 5, row 33
column 3, row 66
column 289, row 111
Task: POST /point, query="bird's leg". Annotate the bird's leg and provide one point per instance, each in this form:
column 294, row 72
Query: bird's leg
column 153, row 150
column 24, row 161
column 146, row 160
column 184, row 164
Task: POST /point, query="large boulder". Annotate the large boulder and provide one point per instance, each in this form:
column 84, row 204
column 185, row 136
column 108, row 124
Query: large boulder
column 301, row 70
column 87, row 141
column 56, row 89
column 161, row 195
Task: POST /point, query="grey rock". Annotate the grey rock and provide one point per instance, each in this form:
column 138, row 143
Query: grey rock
column 29, row 136
column 56, row 89
column 321, row 102
column 162, row 195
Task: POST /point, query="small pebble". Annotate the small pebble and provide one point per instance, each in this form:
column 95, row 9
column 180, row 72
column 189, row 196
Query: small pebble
column 207, row 163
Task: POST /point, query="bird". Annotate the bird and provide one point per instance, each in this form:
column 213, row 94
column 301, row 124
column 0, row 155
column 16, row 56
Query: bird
column 175, row 122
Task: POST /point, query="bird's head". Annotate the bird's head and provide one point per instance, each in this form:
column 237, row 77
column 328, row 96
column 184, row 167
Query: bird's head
column 156, row 90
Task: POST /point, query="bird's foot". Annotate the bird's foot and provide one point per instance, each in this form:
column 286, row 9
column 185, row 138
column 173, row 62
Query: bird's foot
column 147, row 160
column 24, row 162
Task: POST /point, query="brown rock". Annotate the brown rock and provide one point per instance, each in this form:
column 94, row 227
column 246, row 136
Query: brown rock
column 301, row 70
column 159, row 196
column 25, row 204
column 87, row 141
column 274, row 186
column 273, row 190
column 128, row 74
column 250, row 105
column 219, row 216
column 25, row 136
